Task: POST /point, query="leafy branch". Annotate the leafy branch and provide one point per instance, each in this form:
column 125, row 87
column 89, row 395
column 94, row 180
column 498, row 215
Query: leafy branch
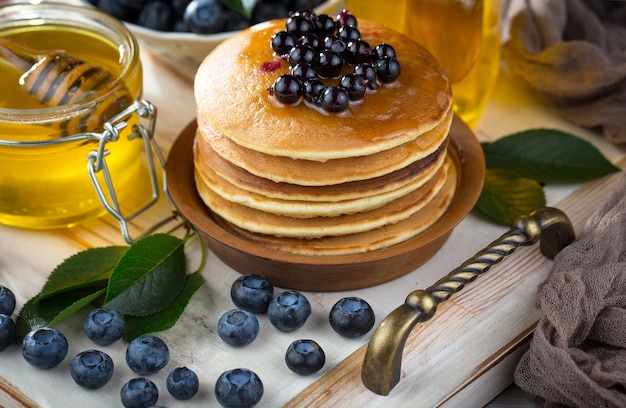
column 147, row 282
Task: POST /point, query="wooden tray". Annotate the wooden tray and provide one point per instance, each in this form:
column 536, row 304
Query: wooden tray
column 325, row 273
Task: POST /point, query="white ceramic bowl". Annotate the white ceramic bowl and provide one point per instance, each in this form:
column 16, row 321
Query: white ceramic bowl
column 185, row 51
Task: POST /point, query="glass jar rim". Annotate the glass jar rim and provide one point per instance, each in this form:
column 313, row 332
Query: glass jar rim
column 81, row 15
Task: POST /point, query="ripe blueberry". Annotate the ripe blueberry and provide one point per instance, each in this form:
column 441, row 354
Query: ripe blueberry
column 139, row 393
column 104, row 326
column 7, row 331
column 238, row 327
column 91, row 369
column 182, row 383
column 252, row 292
column 289, row 311
column 305, row 357
column 44, row 347
column 147, row 354
column 7, row 301
column 351, row 317
column 238, row 388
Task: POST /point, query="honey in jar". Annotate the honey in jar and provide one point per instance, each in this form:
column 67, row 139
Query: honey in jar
column 46, row 142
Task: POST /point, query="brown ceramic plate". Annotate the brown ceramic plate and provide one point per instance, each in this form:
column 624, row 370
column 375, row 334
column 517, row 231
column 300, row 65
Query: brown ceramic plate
column 325, row 273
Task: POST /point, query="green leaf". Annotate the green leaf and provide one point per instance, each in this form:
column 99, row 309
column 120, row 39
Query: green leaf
column 166, row 318
column 549, row 156
column 50, row 311
column 243, row 7
column 506, row 195
column 148, row 277
column 91, row 266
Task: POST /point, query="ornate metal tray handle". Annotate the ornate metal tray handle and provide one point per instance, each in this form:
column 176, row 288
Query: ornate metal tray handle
column 383, row 358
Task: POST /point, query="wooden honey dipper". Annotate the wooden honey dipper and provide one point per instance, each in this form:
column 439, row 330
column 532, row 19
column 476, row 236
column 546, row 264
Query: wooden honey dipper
column 56, row 78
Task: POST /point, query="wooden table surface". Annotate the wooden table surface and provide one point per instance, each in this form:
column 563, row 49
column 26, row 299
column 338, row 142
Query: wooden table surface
column 463, row 357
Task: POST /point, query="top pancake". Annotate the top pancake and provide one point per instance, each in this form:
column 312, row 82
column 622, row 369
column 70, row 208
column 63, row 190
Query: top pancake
column 231, row 94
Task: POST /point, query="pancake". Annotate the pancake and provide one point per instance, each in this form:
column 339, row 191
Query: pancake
column 267, row 223
column 205, row 156
column 337, row 171
column 231, row 85
column 366, row 241
column 306, row 207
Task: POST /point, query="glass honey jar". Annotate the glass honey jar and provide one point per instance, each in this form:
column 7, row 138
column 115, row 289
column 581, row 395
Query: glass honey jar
column 74, row 131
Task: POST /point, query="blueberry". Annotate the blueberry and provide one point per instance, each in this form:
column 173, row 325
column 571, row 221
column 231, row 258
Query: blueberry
column 147, row 354
column 351, row 317
column 157, row 15
column 305, row 357
column 238, row 388
column 7, row 331
column 118, row 9
column 282, row 42
column 44, row 347
column 289, row 310
column 235, row 21
column 104, row 326
column 139, row 393
column 182, row 383
column 91, row 368
column 7, row 301
column 264, row 11
column 205, row 16
column 238, row 327
column 252, row 292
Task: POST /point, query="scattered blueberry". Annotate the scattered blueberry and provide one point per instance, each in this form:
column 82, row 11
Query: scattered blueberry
column 147, row 354
column 139, row 393
column 289, row 310
column 104, row 326
column 238, row 327
column 305, row 357
column 238, row 388
column 252, row 292
column 7, row 331
column 91, row 369
column 7, row 301
column 157, row 15
column 182, row 383
column 351, row 317
column 45, row 347
column 205, row 16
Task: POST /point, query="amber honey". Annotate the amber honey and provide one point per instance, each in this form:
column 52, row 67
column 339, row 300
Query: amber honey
column 462, row 34
column 44, row 181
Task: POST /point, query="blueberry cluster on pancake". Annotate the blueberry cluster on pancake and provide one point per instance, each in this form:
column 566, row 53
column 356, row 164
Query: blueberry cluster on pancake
column 300, row 177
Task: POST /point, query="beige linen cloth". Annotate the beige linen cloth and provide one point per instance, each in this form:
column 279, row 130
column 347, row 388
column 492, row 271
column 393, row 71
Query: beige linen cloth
column 577, row 356
column 573, row 53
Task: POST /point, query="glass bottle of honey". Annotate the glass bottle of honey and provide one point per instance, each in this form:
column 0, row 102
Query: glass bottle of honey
column 464, row 36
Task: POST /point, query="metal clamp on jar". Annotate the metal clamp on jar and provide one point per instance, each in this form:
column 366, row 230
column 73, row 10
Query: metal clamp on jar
column 73, row 97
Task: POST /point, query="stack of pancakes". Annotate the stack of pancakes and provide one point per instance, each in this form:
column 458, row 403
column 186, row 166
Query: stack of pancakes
column 307, row 182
